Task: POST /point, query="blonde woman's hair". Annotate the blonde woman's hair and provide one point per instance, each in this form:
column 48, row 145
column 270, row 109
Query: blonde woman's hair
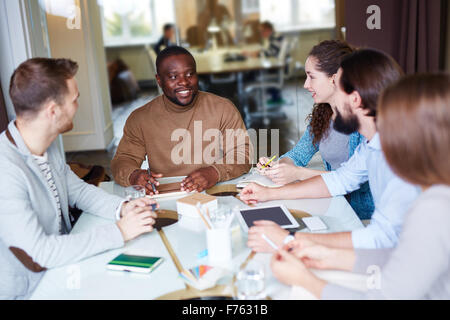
column 414, row 126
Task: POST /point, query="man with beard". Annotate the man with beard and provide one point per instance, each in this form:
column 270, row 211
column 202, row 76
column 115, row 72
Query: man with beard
column 37, row 186
column 182, row 132
column 363, row 75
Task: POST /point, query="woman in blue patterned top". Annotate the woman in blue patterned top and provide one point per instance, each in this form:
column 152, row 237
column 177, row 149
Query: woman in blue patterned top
column 335, row 148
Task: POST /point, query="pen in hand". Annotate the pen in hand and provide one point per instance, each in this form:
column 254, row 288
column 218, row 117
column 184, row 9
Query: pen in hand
column 268, row 162
column 270, row 242
column 273, row 245
column 149, row 181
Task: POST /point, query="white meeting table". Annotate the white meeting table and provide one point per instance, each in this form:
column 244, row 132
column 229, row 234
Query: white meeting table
column 89, row 279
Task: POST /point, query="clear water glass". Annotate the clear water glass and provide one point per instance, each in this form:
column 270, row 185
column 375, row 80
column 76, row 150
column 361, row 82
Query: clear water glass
column 220, row 216
column 250, row 282
column 134, row 192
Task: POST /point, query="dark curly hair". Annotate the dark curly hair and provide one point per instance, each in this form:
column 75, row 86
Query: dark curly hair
column 329, row 54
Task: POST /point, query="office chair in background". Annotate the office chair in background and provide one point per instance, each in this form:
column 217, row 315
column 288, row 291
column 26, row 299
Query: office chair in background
column 270, row 80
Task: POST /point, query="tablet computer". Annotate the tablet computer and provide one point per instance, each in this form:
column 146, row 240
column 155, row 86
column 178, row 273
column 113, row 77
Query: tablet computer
column 278, row 214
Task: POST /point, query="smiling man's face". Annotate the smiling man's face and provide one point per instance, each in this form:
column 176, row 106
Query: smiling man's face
column 178, row 79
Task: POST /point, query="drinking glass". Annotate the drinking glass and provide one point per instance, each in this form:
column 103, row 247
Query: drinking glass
column 219, row 216
column 134, row 192
column 250, row 282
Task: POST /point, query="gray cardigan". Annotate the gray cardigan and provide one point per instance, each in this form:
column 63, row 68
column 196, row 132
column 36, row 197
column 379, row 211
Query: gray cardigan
column 29, row 238
column 419, row 268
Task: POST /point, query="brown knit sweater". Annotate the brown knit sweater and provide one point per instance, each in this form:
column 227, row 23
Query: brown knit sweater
column 150, row 130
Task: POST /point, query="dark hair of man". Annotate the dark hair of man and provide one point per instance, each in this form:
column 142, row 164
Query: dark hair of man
column 328, row 54
column 167, row 27
column 171, row 51
column 267, row 25
column 369, row 72
column 414, row 126
column 39, row 80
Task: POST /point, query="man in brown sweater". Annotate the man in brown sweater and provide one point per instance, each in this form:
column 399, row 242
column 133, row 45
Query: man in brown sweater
column 183, row 132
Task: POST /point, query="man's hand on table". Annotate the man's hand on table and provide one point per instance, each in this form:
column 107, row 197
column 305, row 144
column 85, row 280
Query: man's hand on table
column 142, row 178
column 201, row 179
column 131, row 206
column 137, row 217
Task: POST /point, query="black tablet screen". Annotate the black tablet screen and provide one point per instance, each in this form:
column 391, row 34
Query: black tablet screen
column 274, row 214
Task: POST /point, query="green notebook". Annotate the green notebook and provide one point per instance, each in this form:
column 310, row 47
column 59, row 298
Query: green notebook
column 134, row 263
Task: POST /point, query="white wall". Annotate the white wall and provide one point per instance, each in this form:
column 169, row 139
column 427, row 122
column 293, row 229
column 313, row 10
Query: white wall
column 23, row 35
column 93, row 129
column 14, row 45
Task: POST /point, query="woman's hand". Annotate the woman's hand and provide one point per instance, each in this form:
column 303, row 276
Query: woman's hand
column 262, row 162
column 285, row 171
column 254, row 193
column 282, row 172
column 321, row 257
column 271, row 230
column 290, row 270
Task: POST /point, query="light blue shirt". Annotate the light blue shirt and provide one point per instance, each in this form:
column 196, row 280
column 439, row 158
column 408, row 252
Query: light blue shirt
column 361, row 199
column 392, row 196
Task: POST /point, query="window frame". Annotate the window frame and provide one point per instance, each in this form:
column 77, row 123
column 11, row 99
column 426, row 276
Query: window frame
column 249, row 7
column 126, row 39
column 295, row 23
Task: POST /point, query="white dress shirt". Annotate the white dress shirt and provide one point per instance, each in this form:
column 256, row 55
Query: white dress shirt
column 392, row 196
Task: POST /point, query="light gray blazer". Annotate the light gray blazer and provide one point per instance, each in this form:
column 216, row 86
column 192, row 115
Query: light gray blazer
column 29, row 239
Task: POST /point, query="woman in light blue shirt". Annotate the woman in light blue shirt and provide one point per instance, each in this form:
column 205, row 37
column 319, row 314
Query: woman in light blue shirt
column 335, row 147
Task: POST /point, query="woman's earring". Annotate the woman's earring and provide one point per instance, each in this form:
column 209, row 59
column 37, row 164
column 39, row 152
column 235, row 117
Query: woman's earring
column 333, row 79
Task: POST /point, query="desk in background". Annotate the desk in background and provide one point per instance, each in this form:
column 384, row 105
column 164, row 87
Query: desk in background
column 212, row 62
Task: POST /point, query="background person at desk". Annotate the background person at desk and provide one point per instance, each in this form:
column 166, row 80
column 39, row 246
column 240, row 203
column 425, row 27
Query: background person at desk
column 37, row 186
column 418, row 150
column 272, row 42
column 176, row 124
column 167, row 39
column 335, row 148
column 362, row 77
